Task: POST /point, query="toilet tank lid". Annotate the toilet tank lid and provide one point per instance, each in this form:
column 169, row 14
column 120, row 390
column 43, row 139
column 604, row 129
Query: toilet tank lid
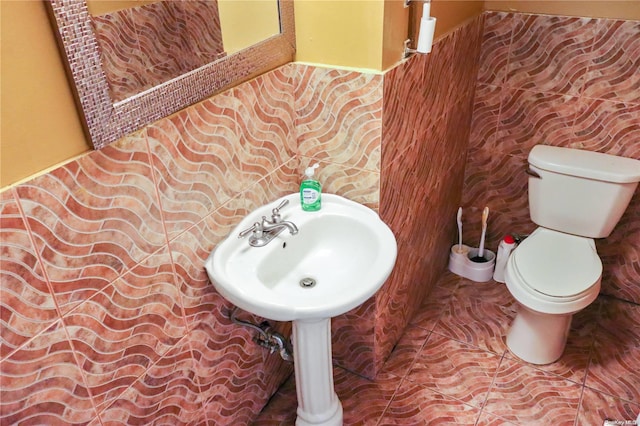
column 586, row 164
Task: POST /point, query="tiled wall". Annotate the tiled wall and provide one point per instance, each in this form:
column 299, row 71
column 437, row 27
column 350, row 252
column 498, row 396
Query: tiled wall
column 107, row 313
column 412, row 125
column 562, row 81
column 428, row 104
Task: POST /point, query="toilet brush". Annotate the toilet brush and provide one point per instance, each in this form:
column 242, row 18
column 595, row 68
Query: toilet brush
column 460, row 249
column 480, row 257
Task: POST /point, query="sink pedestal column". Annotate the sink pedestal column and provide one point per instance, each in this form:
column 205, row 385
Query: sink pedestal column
column 318, row 403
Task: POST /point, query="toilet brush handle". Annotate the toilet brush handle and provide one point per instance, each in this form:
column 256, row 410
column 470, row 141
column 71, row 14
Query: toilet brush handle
column 485, row 216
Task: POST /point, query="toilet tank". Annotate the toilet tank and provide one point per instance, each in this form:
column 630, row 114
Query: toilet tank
column 579, row 192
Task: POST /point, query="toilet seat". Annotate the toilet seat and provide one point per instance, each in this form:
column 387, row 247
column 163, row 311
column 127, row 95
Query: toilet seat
column 530, row 278
column 557, row 266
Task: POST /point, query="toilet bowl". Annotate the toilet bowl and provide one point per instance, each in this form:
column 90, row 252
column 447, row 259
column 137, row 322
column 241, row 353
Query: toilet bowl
column 552, row 275
column 574, row 197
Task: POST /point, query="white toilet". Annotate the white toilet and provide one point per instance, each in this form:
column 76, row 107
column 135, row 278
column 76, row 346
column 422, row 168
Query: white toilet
column 574, row 196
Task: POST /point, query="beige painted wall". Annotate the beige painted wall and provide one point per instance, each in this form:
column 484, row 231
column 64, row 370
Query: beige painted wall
column 615, row 9
column 452, row 13
column 367, row 34
column 101, row 7
column 344, row 33
column 40, row 124
column 245, row 23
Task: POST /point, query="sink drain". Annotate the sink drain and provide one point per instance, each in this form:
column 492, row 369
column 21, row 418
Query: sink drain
column 307, row 282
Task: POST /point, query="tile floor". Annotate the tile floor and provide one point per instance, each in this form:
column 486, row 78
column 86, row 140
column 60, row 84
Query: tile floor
column 452, row 367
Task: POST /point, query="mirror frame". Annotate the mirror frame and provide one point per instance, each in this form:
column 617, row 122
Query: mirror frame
column 106, row 121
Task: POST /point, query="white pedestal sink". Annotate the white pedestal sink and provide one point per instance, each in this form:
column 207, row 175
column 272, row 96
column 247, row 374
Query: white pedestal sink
column 340, row 257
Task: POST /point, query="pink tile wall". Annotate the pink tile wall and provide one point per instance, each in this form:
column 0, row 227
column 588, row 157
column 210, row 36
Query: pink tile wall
column 428, row 106
column 397, row 143
column 107, row 313
column 339, row 125
column 561, row 81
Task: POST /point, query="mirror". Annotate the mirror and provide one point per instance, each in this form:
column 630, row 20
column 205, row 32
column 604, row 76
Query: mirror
column 108, row 116
column 144, row 43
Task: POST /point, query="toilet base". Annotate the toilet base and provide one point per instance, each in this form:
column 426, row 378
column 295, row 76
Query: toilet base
column 538, row 338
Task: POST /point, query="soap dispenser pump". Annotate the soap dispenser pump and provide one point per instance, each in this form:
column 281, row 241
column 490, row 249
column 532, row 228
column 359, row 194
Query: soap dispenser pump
column 310, row 190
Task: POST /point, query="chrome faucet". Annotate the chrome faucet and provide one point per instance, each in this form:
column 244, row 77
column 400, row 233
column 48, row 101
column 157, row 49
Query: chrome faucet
column 263, row 232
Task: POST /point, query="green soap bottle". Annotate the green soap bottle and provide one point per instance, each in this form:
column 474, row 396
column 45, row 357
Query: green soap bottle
column 310, row 191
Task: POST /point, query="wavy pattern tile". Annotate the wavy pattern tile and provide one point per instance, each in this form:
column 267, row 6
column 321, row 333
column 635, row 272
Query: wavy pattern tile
column 355, row 184
column 93, row 219
column 431, row 309
column 614, row 70
column 140, row 312
column 282, row 181
column 530, row 118
column 486, row 112
column 159, row 31
column 339, row 116
column 281, row 408
column 596, row 406
column 414, row 404
column 396, row 109
column 525, row 395
column 202, row 28
column 568, row 82
column 167, row 393
column 550, row 53
column 477, row 321
column 265, row 118
column 488, row 419
column 25, row 298
column 363, row 401
column 467, row 41
column 455, row 369
column 496, row 44
column 353, row 339
column 616, row 355
column 620, row 254
column 122, row 60
column 607, row 126
column 195, row 158
column 119, row 324
column 122, row 234
column 404, row 353
column 433, row 379
column 42, row 384
column 189, row 251
column 422, row 171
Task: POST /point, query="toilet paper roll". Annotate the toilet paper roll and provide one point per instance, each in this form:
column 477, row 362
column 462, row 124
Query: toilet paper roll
column 425, row 37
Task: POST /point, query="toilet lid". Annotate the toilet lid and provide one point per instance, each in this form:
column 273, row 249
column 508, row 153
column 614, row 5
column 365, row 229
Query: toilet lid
column 557, row 264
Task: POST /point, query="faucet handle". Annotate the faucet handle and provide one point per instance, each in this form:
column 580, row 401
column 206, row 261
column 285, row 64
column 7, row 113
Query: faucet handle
column 275, row 213
column 256, row 229
column 281, row 205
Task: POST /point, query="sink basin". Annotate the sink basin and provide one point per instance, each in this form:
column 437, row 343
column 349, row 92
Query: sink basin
column 340, row 256
column 344, row 253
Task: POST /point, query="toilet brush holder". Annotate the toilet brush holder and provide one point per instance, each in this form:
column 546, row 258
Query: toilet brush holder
column 460, row 263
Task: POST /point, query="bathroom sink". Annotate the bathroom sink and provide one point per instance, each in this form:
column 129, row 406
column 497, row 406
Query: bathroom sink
column 341, row 255
column 285, row 264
